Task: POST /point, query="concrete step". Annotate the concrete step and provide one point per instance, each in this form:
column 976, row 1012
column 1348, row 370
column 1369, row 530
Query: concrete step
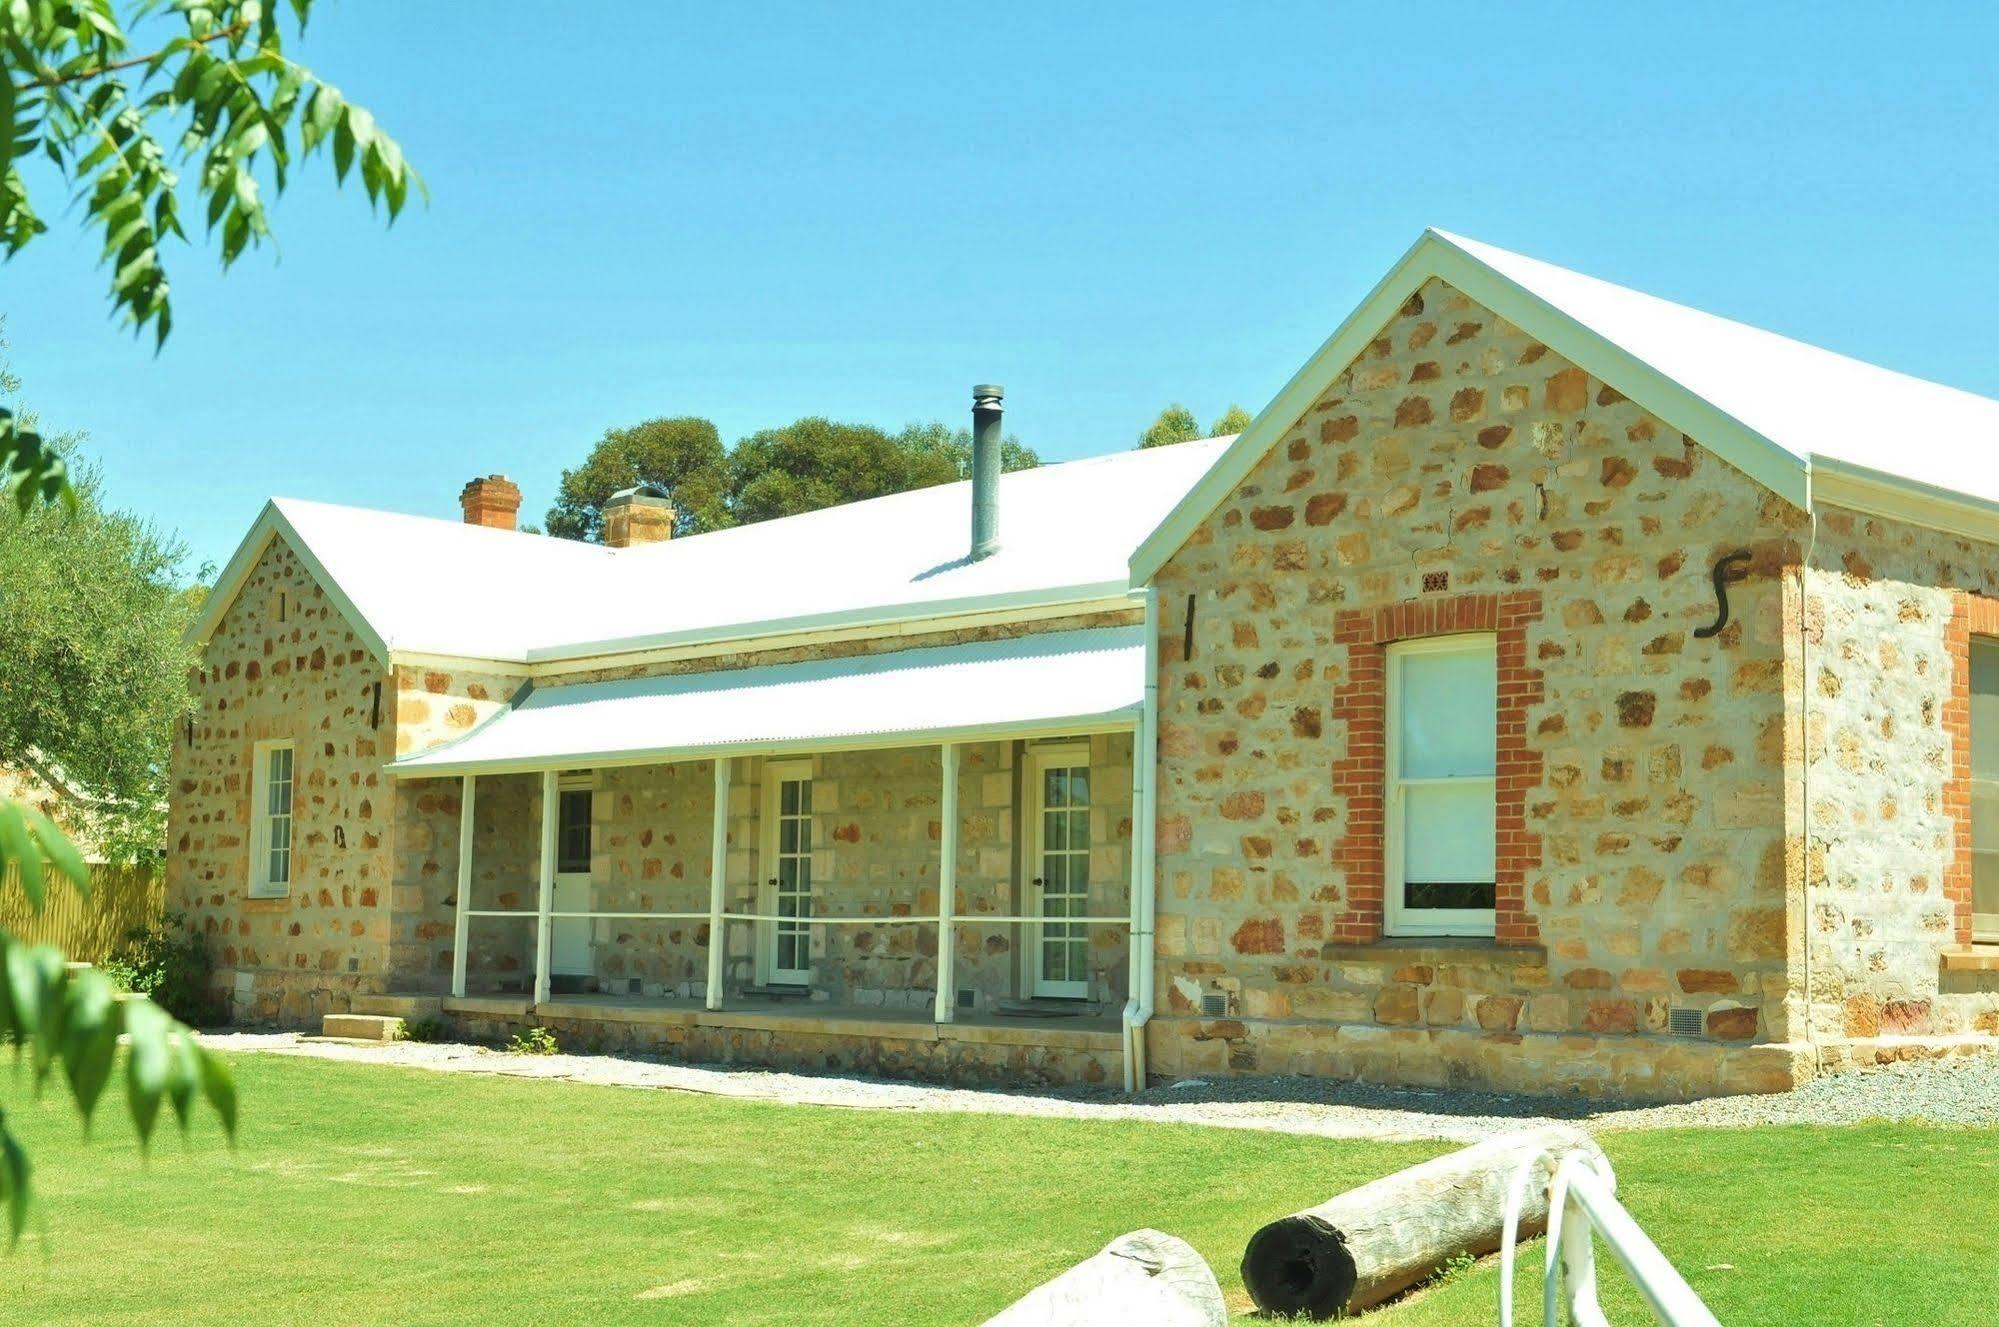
column 362, row 1027
column 399, row 1006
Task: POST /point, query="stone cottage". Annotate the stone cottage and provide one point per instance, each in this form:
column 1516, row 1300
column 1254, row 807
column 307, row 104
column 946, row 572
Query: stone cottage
column 1554, row 688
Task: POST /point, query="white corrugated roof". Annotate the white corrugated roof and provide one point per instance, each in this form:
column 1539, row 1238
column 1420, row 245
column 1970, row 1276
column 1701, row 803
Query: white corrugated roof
column 420, row 585
column 1066, row 680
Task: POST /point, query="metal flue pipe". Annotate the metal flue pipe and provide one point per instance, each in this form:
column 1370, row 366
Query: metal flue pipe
column 985, row 469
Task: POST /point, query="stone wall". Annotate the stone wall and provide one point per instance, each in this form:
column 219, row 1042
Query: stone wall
column 1457, row 467
column 1888, row 616
column 284, row 664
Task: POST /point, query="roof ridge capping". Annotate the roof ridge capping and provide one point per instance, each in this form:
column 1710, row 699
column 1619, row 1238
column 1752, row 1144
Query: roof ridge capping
column 1783, row 411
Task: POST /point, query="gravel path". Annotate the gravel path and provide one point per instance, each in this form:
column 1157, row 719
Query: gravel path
column 1964, row 1091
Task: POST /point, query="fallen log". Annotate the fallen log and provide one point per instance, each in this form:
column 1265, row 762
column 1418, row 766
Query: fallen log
column 1144, row 1277
column 1358, row 1249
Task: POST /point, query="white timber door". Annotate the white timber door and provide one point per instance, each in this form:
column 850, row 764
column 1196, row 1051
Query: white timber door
column 569, row 937
column 786, row 949
column 1059, row 855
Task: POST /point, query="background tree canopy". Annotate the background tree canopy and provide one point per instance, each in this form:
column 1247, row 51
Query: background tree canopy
column 93, row 674
column 801, row 467
column 682, row 456
column 1176, row 423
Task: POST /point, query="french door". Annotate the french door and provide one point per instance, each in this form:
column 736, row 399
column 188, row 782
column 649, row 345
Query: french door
column 1059, row 847
column 787, row 855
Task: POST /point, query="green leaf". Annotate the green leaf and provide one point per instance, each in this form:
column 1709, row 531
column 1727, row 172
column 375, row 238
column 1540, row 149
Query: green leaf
column 55, row 845
column 16, row 1183
column 146, row 1026
column 343, row 146
column 218, row 1086
column 183, row 1074
column 90, row 1039
column 17, row 847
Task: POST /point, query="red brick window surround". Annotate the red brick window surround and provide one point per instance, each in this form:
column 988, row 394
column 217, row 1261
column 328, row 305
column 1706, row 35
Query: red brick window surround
column 1360, row 776
column 1971, row 615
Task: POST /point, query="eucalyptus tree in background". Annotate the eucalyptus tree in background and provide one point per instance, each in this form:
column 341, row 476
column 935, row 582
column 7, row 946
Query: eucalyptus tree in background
column 1233, row 420
column 1176, row 423
column 104, row 102
column 937, row 438
column 681, row 456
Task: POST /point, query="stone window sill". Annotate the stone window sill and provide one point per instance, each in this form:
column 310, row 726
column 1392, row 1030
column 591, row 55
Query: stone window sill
column 268, row 903
column 1982, row 956
column 1437, row 949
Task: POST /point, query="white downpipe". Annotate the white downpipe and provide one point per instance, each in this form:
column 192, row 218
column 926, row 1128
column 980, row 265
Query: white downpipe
column 1582, row 1206
column 718, row 868
column 1145, row 815
column 947, row 890
column 461, row 934
column 545, row 886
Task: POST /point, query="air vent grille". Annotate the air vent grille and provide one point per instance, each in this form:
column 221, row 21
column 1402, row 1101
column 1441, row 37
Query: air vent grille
column 1214, row 1004
column 1684, row 1022
column 967, row 997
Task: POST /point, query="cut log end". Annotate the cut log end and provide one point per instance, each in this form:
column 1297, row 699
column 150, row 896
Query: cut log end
column 1300, row 1264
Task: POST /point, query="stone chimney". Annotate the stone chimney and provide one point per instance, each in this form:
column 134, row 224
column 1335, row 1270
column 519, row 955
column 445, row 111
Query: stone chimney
column 640, row 515
column 491, row 502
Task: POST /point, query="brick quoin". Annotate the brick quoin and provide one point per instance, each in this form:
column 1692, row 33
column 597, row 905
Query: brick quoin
column 1970, row 615
column 1359, row 777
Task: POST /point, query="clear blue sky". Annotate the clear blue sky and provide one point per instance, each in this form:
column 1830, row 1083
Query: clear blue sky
column 754, row 213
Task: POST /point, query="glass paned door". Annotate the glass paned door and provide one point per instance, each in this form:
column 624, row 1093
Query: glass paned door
column 788, row 887
column 1061, row 784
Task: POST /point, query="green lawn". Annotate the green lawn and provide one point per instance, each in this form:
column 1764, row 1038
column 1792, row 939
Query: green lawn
column 365, row 1195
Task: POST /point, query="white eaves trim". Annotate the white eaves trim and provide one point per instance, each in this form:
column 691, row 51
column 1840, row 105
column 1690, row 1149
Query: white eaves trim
column 1877, row 493
column 1444, row 257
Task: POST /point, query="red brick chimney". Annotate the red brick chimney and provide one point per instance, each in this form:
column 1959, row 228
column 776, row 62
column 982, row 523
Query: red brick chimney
column 491, row 502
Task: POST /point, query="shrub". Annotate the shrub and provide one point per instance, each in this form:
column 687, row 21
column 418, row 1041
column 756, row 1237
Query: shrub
column 168, row 963
column 429, row 1028
column 533, row 1041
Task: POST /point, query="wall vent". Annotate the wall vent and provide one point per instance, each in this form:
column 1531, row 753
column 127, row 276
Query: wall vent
column 1435, row 582
column 967, row 997
column 1684, row 1022
column 1214, row 1004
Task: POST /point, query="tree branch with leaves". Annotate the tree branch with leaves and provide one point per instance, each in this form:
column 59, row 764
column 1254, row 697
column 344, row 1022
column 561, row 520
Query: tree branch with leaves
column 82, row 101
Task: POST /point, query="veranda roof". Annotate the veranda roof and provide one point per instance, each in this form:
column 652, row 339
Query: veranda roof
column 1066, row 681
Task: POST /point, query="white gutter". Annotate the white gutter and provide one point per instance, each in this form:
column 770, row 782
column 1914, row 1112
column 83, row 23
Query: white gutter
column 1144, row 820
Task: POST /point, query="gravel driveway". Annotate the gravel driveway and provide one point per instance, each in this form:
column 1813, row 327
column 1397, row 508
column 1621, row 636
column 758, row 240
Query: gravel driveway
column 1964, row 1091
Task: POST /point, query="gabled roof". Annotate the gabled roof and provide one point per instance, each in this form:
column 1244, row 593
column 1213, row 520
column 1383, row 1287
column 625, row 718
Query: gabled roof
column 416, row 585
column 1796, row 418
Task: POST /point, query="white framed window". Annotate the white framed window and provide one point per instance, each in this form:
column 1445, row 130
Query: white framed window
column 271, row 820
column 575, row 802
column 1441, row 775
column 1985, row 788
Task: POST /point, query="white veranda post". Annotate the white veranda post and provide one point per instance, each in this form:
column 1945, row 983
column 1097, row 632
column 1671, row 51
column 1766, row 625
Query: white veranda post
column 947, row 888
column 545, row 890
column 462, row 933
column 718, row 861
